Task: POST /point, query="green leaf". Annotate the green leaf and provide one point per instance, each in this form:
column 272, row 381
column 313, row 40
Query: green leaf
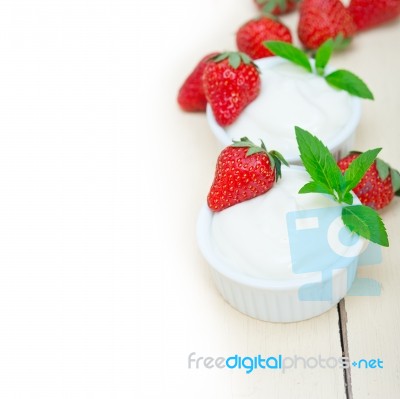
column 365, row 222
column 323, row 56
column 253, row 150
column 383, row 169
column 234, row 59
column 263, row 146
column 359, row 167
column 289, row 52
column 319, row 162
column 279, row 156
column 269, row 7
column 243, row 142
column 395, row 181
column 314, row 187
column 348, row 199
column 282, row 5
column 220, row 57
column 346, row 80
column 340, row 42
column 277, row 159
column 245, row 58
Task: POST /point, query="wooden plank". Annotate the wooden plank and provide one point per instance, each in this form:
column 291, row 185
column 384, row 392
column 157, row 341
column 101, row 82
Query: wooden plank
column 373, row 324
column 219, row 330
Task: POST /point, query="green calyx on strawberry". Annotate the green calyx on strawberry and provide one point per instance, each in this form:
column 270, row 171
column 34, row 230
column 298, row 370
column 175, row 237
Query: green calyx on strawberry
column 275, row 158
column 327, row 179
column 276, row 7
column 340, row 79
column 231, row 81
column 234, row 58
column 378, row 186
column 244, row 171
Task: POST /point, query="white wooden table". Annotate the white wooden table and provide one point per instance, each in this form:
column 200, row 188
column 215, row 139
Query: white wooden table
column 193, row 317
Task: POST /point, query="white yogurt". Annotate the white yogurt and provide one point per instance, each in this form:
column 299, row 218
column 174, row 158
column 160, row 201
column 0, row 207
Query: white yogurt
column 252, row 237
column 291, row 96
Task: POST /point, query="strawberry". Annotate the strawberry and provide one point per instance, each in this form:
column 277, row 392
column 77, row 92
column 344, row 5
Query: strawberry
column 250, row 37
column 191, row 97
column 369, row 13
column 244, row 171
column 276, row 7
column 378, row 186
column 231, row 81
column 321, row 20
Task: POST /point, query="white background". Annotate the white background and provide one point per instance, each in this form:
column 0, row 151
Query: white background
column 103, row 293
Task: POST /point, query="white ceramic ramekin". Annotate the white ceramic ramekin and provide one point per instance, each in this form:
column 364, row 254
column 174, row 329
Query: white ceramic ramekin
column 270, row 300
column 339, row 144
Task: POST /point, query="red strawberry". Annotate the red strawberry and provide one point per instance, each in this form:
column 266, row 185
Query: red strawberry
column 231, row 81
column 244, row 171
column 378, row 186
column 191, row 95
column 276, row 7
column 369, row 13
column 321, row 20
column 252, row 34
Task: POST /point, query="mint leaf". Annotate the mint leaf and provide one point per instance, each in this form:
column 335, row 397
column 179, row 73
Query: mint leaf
column 319, row 162
column 365, row 222
column 348, row 199
column 328, row 179
column 314, row 187
column 323, row 56
column 289, row 52
column 359, row 167
column 383, row 169
column 346, row 80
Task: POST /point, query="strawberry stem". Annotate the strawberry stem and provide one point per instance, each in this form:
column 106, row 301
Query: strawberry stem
column 276, row 159
column 235, row 58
